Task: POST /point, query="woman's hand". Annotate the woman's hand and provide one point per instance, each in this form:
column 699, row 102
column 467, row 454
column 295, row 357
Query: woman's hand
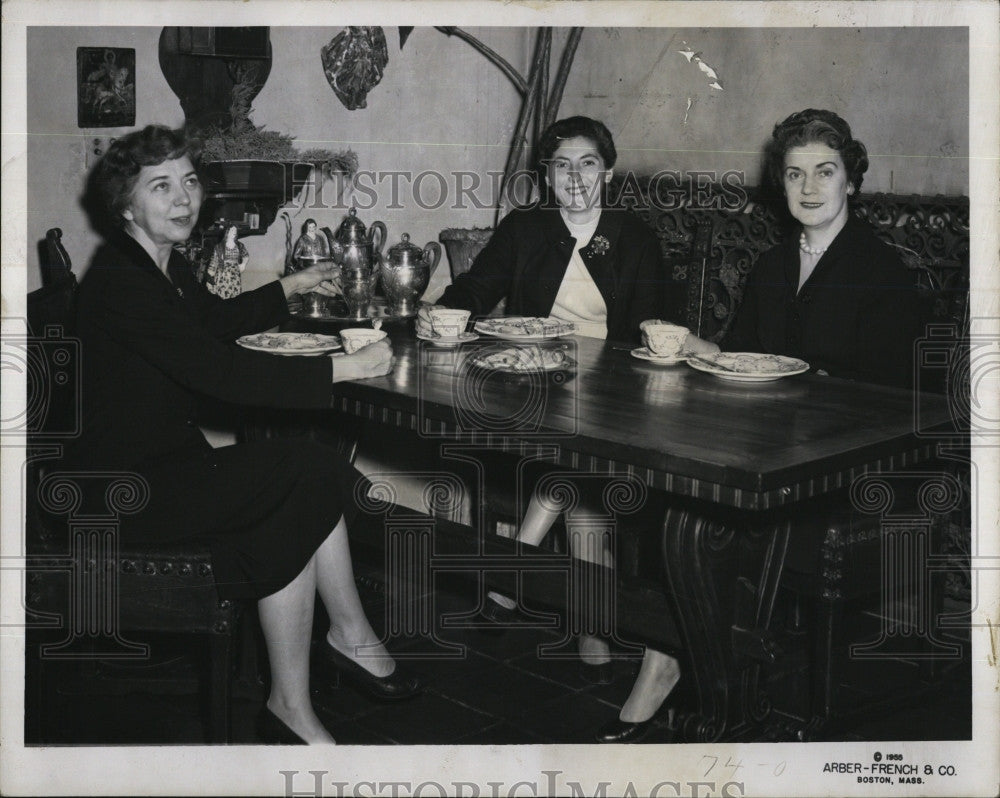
column 699, row 346
column 321, row 277
column 692, row 344
column 423, row 323
column 374, row 360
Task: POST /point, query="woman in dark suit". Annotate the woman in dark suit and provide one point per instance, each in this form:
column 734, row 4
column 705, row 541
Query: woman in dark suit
column 832, row 294
column 573, row 257
column 274, row 512
column 569, row 256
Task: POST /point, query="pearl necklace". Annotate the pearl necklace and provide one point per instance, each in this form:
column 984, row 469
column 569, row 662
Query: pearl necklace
column 808, row 249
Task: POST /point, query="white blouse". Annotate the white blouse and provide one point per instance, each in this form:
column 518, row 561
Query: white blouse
column 578, row 299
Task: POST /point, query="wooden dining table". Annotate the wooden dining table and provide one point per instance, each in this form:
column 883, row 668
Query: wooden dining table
column 743, row 467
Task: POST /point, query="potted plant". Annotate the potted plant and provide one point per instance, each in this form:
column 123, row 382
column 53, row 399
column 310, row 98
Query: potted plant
column 249, row 163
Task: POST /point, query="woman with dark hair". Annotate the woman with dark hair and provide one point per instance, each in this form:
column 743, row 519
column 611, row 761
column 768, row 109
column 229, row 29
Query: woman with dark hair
column 833, row 294
column 274, row 512
column 568, row 256
column 573, row 257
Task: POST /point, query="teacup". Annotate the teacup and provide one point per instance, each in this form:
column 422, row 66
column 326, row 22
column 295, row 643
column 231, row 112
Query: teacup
column 664, row 339
column 358, row 337
column 448, row 322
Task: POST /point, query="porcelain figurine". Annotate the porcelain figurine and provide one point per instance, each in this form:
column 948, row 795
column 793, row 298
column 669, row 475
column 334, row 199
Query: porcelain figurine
column 223, row 277
column 312, row 244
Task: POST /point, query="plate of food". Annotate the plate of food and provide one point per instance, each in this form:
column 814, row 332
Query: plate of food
column 290, row 343
column 748, row 366
column 524, row 328
column 523, row 359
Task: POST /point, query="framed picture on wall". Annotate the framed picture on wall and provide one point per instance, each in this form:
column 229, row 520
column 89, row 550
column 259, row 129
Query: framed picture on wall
column 105, row 86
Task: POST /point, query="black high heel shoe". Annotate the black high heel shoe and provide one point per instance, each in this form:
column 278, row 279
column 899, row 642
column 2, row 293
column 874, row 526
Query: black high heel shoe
column 497, row 616
column 272, row 730
column 624, row 731
column 394, row 687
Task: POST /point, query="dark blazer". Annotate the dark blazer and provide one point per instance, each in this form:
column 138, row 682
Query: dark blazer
column 527, row 257
column 857, row 316
column 152, row 348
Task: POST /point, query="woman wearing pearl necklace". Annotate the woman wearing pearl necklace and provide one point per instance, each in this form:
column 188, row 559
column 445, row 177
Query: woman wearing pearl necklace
column 832, row 294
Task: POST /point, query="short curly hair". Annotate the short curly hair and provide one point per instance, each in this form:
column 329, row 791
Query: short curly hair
column 814, row 125
column 570, row 128
column 116, row 173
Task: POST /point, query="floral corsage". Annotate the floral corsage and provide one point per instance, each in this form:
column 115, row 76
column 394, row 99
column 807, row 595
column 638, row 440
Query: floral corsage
column 598, row 245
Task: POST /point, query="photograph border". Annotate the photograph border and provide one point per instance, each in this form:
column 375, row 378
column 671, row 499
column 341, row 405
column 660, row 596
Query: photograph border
column 774, row 769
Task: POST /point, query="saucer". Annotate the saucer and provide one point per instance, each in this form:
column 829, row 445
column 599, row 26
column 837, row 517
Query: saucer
column 643, row 353
column 455, row 340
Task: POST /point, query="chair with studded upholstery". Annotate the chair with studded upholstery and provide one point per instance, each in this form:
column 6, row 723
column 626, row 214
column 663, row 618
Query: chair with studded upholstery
column 90, row 599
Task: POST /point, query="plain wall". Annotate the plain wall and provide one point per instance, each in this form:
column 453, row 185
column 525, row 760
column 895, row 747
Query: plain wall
column 904, row 91
column 441, row 107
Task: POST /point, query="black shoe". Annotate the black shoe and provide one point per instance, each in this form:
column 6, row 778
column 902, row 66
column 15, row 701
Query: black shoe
column 623, row 731
column 601, row 673
column 394, row 687
column 497, row 617
column 272, row 730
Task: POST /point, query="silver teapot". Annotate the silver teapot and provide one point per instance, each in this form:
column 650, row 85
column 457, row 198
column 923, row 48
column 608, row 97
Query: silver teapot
column 358, row 252
column 356, row 247
column 406, row 274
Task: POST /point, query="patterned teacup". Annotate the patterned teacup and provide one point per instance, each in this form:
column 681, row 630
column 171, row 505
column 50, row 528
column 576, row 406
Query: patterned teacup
column 448, row 323
column 664, row 339
column 357, row 337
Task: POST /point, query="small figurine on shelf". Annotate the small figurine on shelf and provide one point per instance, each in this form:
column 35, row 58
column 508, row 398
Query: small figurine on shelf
column 311, row 244
column 229, row 259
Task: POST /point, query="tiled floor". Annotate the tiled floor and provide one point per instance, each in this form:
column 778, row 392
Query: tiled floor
column 488, row 689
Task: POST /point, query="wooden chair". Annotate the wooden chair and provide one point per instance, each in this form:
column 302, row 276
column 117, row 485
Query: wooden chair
column 81, row 583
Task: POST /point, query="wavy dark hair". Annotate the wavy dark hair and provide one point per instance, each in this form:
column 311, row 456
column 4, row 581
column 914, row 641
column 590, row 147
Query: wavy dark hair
column 569, row 128
column 113, row 179
column 809, row 126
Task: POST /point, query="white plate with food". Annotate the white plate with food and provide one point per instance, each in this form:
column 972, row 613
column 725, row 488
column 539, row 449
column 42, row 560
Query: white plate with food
column 748, row 366
column 524, row 328
column 643, row 353
column 289, row 343
column 523, row 359
column 449, row 341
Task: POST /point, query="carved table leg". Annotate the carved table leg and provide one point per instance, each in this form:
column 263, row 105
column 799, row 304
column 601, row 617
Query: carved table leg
column 724, row 576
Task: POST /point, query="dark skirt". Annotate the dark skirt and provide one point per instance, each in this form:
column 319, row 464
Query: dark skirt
column 264, row 508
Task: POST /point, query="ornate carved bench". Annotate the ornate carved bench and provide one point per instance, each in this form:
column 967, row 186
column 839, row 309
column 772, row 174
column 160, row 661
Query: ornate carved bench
column 711, row 235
